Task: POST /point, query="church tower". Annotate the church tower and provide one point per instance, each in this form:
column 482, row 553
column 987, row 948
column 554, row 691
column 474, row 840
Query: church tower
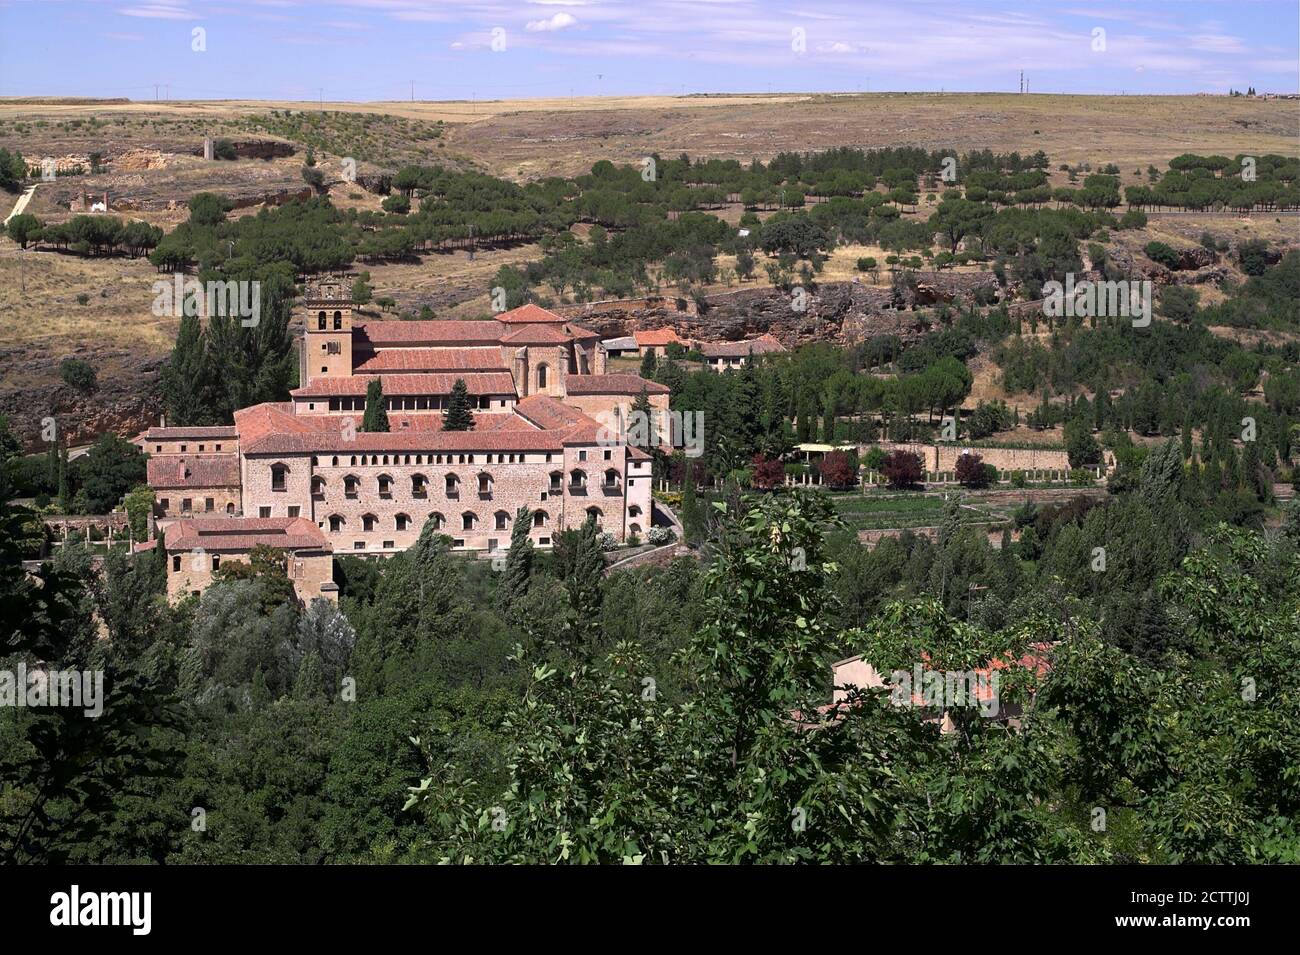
column 327, row 341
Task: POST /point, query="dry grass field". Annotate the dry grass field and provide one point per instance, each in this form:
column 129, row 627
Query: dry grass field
column 529, row 139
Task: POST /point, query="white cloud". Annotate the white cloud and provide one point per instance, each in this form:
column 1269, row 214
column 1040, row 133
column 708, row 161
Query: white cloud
column 160, row 11
column 557, row 22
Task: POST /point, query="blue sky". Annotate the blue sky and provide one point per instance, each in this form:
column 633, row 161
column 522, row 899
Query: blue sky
column 372, row 49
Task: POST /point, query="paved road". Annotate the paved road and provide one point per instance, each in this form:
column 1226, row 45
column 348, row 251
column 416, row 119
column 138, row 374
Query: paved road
column 21, row 204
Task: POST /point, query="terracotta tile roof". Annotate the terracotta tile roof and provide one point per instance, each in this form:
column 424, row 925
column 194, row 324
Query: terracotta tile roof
column 487, row 358
column 656, row 336
column 182, row 434
column 478, row 383
column 529, row 314
column 548, row 412
column 612, row 385
column 244, row 533
column 423, row 441
column 198, row 470
column 537, row 335
column 758, row 346
column 430, row 333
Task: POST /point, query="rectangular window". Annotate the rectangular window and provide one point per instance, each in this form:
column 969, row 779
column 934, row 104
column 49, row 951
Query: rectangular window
column 216, row 561
column 186, row 505
column 358, row 545
column 543, row 541
column 176, row 562
column 294, row 510
column 209, row 504
column 388, row 544
column 263, row 512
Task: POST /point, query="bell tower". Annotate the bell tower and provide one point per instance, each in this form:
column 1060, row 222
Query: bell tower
column 327, row 341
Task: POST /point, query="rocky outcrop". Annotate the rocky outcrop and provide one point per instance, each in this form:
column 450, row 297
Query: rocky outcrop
column 255, row 149
column 1195, row 257
column 125, row 402
column 844, row 312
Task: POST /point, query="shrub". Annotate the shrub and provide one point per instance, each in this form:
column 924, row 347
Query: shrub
column 660, row 535
column 1163, row 254
column 970, row 471
column 608, row 541
column 78, row 375
column 1018, row 479
column 902, row 469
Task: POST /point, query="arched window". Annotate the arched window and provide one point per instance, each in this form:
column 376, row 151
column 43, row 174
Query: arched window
column 368, row 522
column 557, row 482
column 542, row 371
column 484, row 484
column 577, row 480
column 453, row 485
column 385, row 485
column 540, row 518
column 502, row 520
column 635, row 529
column 338, row 321
column 320, row 321
column 468, row 520
column 336, row 523
column 402, row 521
column 439, row 522
column 419, row 485
column 334, row 462
column 317, row 486
column 351, row 485
column 230, row 507
column 595, row 514
column 634, row 511
column 611, row 479
column 278, row 472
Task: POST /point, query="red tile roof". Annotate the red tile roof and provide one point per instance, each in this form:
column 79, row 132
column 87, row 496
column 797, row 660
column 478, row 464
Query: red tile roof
column 478, row 383
column 242, row 534
column 487, row 358
column 529, row 314
column 537, row 335
column 182, row 434
column 612, row 385
column 331, row 442
column 758, row 346
column 430, row 333
column 198, row 470
column 655, row 336
column 547, row 412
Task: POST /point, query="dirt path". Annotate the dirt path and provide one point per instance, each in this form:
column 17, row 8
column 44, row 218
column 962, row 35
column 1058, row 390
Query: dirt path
column 21, row 204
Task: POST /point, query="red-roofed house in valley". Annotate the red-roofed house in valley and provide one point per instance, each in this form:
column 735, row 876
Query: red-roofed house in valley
column 656, row 340
column 719, row 356
column 545, row 437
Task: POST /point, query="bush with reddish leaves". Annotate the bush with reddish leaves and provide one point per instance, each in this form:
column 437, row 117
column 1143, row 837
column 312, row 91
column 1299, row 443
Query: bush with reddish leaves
column 838, row 470
column 768, row 472
column 902, row 469
column 971, row 471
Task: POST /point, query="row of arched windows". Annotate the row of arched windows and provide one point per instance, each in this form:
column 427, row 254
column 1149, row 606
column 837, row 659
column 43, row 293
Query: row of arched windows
column 501, row 520
column 451, row 482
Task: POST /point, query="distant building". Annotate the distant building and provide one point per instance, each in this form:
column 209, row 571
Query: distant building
column 720, row 356
column 656, row 340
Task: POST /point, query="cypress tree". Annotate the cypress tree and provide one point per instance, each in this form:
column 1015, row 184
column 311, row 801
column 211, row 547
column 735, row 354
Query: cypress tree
column 376, row 416
column 1187, row 436
column 458, row 416
column 649, row 364
column 692, row 521
column 519, row 565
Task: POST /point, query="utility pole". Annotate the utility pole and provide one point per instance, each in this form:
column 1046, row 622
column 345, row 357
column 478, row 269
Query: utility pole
column 155, row 91
column 471, row 242
column 412, row 91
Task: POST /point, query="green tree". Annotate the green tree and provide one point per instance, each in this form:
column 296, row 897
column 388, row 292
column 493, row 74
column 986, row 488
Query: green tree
column 458, row 416
column 375, row 418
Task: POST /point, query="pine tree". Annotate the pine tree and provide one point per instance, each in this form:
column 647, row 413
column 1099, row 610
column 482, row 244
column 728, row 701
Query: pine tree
column 1187, row 436
column 649, row 365
column 458, row 416
column 519, row 565
column 376, row 416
